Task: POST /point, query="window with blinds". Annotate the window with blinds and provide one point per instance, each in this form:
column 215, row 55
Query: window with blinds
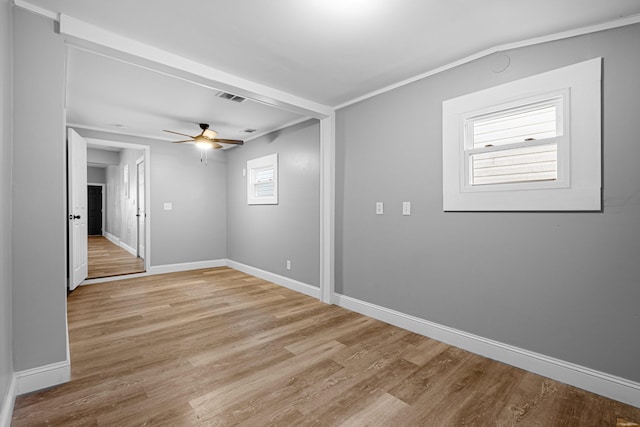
column 264, row 184
column 515, row 145
column 262, row 180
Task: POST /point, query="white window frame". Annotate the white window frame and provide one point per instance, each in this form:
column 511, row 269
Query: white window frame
column 562, row 99
column 255, row 165
column 578, row 185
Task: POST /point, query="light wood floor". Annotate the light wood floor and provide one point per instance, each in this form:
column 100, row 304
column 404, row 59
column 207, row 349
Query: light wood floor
column 107, row 259
column 218, row 347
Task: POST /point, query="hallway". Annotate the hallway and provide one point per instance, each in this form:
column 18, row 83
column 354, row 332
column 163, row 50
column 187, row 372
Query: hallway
column 107, row 259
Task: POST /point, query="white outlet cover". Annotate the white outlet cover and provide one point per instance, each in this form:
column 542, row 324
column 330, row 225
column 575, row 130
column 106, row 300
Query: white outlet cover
column 167, row 206
column 406, row 208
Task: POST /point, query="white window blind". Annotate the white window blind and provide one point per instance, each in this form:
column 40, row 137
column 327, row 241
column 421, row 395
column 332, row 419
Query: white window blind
column 262, row 180
column 264, row 184
column 522, row 164
column 517, row 125
column 515, row 145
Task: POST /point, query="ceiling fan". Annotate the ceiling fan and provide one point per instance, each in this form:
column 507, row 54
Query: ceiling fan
column 207, row 138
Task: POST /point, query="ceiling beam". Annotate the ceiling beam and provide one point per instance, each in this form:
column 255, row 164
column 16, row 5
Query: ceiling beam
column 111, row 44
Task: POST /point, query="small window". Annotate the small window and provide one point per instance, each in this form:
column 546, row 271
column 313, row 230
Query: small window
column 516, row 143
column 262, row 180
column 533, row 144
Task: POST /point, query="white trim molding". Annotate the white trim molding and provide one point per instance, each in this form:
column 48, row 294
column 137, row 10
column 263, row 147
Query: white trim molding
column 292, row 284
column 128, row 248
column 160, row 269
column 601, row 383
column 616, row 23
column 37, row 10
column 113, row 239
column 42, row 377
column 185, row 266
column 327, row 207
column 116, row 241
column 7, row 404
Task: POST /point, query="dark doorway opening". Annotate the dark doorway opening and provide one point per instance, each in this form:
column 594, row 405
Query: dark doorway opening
column 95, row 210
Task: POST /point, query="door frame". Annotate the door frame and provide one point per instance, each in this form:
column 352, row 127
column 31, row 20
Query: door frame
column 140, row 160
column 147, row 187
column 104, row 188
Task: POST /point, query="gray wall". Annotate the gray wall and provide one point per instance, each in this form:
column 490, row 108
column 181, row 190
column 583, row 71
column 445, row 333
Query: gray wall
column 128, row 209
column 39, row 205
column 195, row 230
column 6, row 365
column 96, row 175
column 103, row 157
column 113, row 200
column 265, row 236
column 561, row 284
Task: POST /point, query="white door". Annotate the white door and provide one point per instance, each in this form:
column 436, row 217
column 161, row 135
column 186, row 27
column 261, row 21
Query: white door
column 142, row 214
column 77, row 194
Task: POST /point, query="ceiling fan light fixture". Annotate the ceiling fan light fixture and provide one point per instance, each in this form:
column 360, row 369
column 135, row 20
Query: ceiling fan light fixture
column 204, row 145
column 209, row 133
column 203, row 142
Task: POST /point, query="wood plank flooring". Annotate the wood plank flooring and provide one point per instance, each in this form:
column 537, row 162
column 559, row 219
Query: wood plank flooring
column 218, row 347
column 107, row 259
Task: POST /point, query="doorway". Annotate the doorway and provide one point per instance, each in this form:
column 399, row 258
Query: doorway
column 95, row 201
column 117, row 204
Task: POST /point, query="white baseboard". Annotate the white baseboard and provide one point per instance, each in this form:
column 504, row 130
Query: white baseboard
column 42, row 377
column 128, row 248
column 173, row 268
column 185, row 266
column 113, row 239
column 292, row 284
column 588, row 379
column 86, row 282
column 116, row 241
column 7, row 404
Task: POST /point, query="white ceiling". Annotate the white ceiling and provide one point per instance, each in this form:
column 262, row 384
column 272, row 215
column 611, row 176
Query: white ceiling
column 107, row 94
column 327, row 51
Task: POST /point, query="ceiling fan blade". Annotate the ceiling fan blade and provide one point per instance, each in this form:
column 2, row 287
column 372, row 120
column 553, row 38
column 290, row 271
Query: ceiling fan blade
column 228, row 141
column 216, row 146
column 178, row 133
column 186, row 140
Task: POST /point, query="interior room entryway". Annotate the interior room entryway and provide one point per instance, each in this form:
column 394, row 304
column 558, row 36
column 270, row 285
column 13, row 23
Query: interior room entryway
column 114, row 180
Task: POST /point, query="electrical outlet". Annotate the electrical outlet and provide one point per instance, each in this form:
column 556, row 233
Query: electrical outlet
column 379, row 208
column 406, row 208
column 288, row 264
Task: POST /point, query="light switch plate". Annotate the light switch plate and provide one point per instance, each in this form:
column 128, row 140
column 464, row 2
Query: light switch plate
column 168, row 206
column 406, row 208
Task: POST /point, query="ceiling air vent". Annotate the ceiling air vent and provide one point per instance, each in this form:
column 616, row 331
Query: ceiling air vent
column 249, row 130
column 230, row 97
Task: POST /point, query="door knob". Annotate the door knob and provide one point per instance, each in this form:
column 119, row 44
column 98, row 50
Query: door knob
column 76, row 217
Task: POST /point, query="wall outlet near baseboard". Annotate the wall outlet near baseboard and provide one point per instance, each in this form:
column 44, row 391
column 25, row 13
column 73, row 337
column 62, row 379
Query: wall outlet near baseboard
column 288, row 264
